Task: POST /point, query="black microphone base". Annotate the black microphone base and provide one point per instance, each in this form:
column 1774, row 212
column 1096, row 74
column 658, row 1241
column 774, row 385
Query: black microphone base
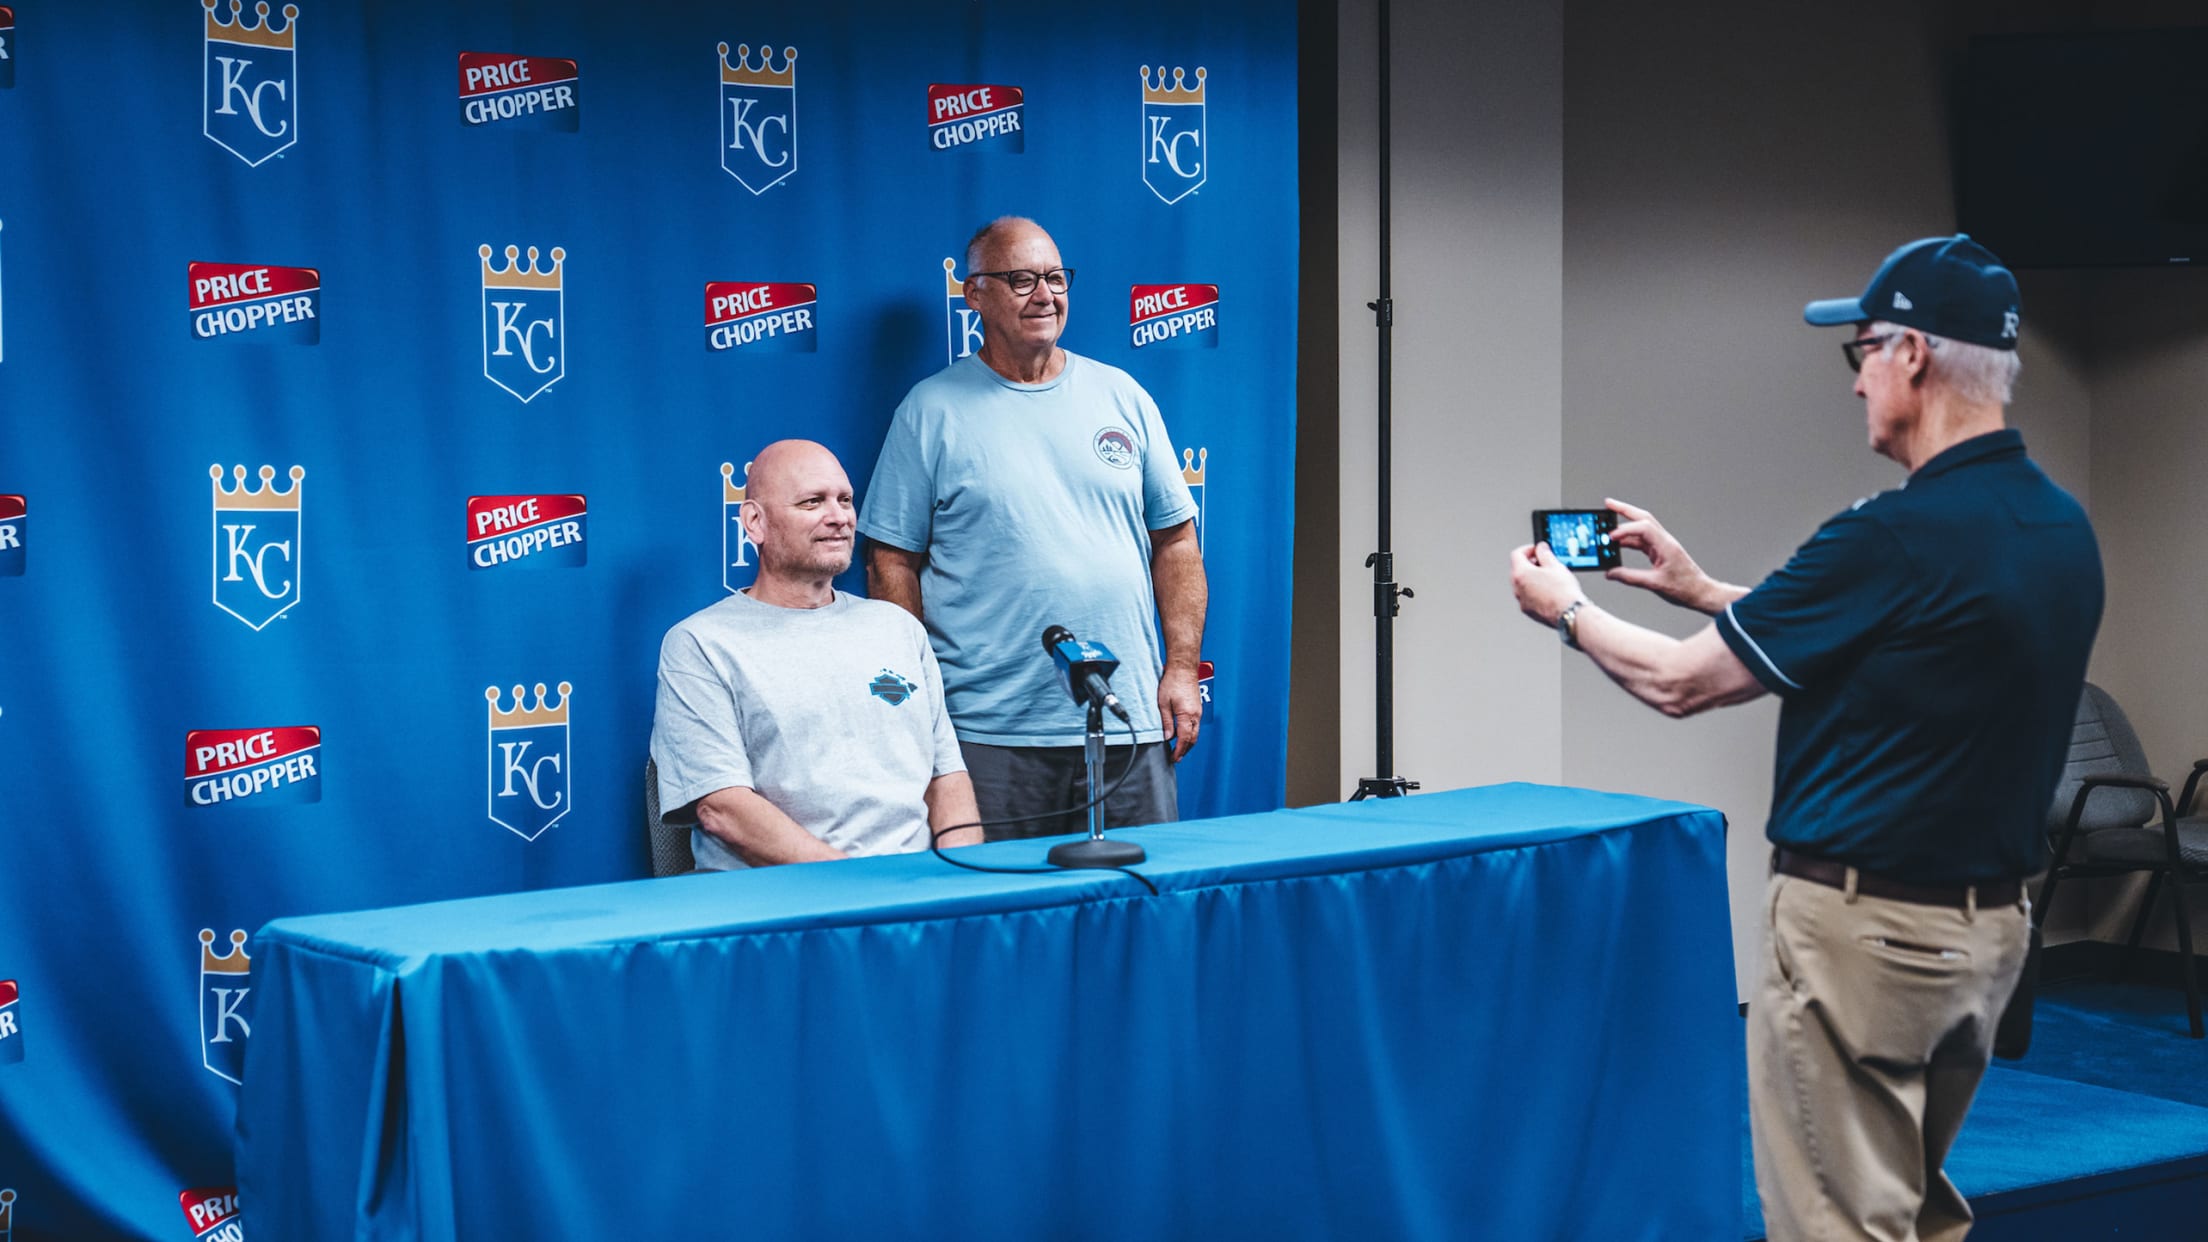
column 1096, row 852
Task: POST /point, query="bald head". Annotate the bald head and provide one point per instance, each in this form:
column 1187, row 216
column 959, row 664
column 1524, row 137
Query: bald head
column 1001, row 233
column 798, row 510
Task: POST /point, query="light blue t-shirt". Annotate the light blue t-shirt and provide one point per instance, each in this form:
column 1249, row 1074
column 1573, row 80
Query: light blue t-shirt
column 1034, row 504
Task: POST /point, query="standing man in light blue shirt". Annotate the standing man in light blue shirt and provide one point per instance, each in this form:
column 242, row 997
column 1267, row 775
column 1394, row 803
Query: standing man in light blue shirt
column 1027, row 486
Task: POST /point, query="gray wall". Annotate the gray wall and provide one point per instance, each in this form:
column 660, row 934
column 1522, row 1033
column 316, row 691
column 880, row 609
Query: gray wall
column 1478, row 287
column 1608, row 216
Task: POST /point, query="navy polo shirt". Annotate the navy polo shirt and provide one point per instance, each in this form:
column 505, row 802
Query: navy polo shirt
column 1930, row 645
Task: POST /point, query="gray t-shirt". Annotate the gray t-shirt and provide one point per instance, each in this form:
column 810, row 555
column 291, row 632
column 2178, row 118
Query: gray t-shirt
column 1034, row 504
column 834, row 714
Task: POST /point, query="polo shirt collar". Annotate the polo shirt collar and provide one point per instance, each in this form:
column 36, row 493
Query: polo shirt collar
column 2007, row 442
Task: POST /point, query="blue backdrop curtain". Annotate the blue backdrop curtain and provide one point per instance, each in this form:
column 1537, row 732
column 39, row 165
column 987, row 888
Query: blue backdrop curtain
column 231, row 242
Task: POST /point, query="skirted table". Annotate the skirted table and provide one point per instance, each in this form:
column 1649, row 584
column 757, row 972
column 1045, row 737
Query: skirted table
column 1504, row 1012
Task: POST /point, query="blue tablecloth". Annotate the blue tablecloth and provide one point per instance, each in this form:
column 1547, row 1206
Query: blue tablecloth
column 1496, row 1013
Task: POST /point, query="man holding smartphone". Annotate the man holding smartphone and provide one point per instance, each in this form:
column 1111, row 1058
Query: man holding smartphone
column 1930, row 644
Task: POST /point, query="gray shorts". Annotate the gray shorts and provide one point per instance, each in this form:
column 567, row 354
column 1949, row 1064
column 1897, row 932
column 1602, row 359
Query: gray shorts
column 1011, row 781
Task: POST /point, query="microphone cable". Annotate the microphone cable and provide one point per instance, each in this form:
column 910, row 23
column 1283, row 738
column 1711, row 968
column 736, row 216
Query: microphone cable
column 935, row 838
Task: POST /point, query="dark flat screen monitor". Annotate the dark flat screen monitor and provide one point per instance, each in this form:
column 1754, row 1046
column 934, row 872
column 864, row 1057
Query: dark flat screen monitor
column 2086, row 150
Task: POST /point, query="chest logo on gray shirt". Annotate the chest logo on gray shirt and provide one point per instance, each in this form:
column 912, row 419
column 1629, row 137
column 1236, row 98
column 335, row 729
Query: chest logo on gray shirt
column 1116, row 448
column 890, row 688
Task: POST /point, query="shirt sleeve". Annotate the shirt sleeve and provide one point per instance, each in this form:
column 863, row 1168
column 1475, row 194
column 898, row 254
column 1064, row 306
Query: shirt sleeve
column 900, row 498
column 1812, row 619
column 1165, row 496
column 948, row 757
column 697, row 734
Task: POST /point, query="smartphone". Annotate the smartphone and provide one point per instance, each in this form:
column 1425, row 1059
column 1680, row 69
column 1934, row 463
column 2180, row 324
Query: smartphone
column 1579, row 537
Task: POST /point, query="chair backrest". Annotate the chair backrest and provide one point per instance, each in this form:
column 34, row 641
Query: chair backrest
column 670, row 842
column 2102, row 743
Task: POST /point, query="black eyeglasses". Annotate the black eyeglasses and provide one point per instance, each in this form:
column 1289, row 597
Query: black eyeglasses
column 1022, row 282
column 1862, row 345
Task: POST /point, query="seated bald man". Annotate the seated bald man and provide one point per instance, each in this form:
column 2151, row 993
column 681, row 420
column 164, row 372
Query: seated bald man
column 795, row 722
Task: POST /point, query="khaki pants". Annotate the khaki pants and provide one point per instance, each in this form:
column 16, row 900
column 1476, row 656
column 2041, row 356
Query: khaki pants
column 1866, row 1041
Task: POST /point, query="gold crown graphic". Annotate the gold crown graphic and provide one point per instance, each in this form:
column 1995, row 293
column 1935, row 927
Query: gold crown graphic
column 743, row 74
column 235, row 962
column 523, row 718
column 732, row 492
column 1175, row 93
column 952, row 285
column 238, row 496
column 256, row 29
column 1193, row 462
column 519, row 275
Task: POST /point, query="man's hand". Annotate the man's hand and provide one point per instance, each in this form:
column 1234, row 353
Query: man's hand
column 1543, row 586
column 1180, row 709
column 1671, row 573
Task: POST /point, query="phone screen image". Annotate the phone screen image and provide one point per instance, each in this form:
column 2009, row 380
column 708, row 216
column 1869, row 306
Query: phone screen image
column 1580, row 538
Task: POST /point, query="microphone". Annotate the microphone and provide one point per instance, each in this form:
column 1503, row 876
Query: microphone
column 1084, row 669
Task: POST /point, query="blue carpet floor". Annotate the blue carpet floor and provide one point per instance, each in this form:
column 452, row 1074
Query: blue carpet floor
column 2112, row 1084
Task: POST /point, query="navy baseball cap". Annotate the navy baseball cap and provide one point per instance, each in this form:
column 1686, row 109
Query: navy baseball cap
column 1947, row 286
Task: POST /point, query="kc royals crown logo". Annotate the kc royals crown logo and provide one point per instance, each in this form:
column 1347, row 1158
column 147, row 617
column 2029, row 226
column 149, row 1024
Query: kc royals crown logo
column 524, row 322
column 11, row 1029
column 7, row 48
column 1174, row 316
column 736, row 546
column 539, row 532
column 213, row 1213
column 529, row 786
column 761, row 316
column 1173, row 134
column 252, row 80
column 256, row 545
column 243, row 302
column 520, row 92
column 992, row 117
column 961, row 323
column 759, row 117
column 264, row 766
column 1194, row 461
column 224, row 985
column 15, row 535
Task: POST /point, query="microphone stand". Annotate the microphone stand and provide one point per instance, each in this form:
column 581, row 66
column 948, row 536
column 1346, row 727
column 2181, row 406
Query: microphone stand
column 1095, row 850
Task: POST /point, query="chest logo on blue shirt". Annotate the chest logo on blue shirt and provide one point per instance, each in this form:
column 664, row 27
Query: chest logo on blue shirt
column 1116, row 448
column 890, row 688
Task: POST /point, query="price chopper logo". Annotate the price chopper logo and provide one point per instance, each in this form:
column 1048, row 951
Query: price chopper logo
column 965, row 116
column 538, row 532
column 11, row 1029
column 1204, row 674
column 1194, row 461
column 251, row 72
column 213, row 1213
column 761, row 317
column 256, row 545
column 15, row 537
column 224, row 985
column 263, row 766
column 528, row 762
column 736, row 546
column 961, row 323
column 520, row 92
column 1174, row 316
column 524, row 322
column 1174, row 138
column 759, row 117
column 7, row 48
column 240, row 301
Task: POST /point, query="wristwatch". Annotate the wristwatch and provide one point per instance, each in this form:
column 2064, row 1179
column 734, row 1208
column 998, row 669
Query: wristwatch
column 1567, row 624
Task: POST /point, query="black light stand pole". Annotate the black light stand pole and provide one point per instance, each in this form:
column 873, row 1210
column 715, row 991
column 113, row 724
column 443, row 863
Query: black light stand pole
column 1387, row 595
